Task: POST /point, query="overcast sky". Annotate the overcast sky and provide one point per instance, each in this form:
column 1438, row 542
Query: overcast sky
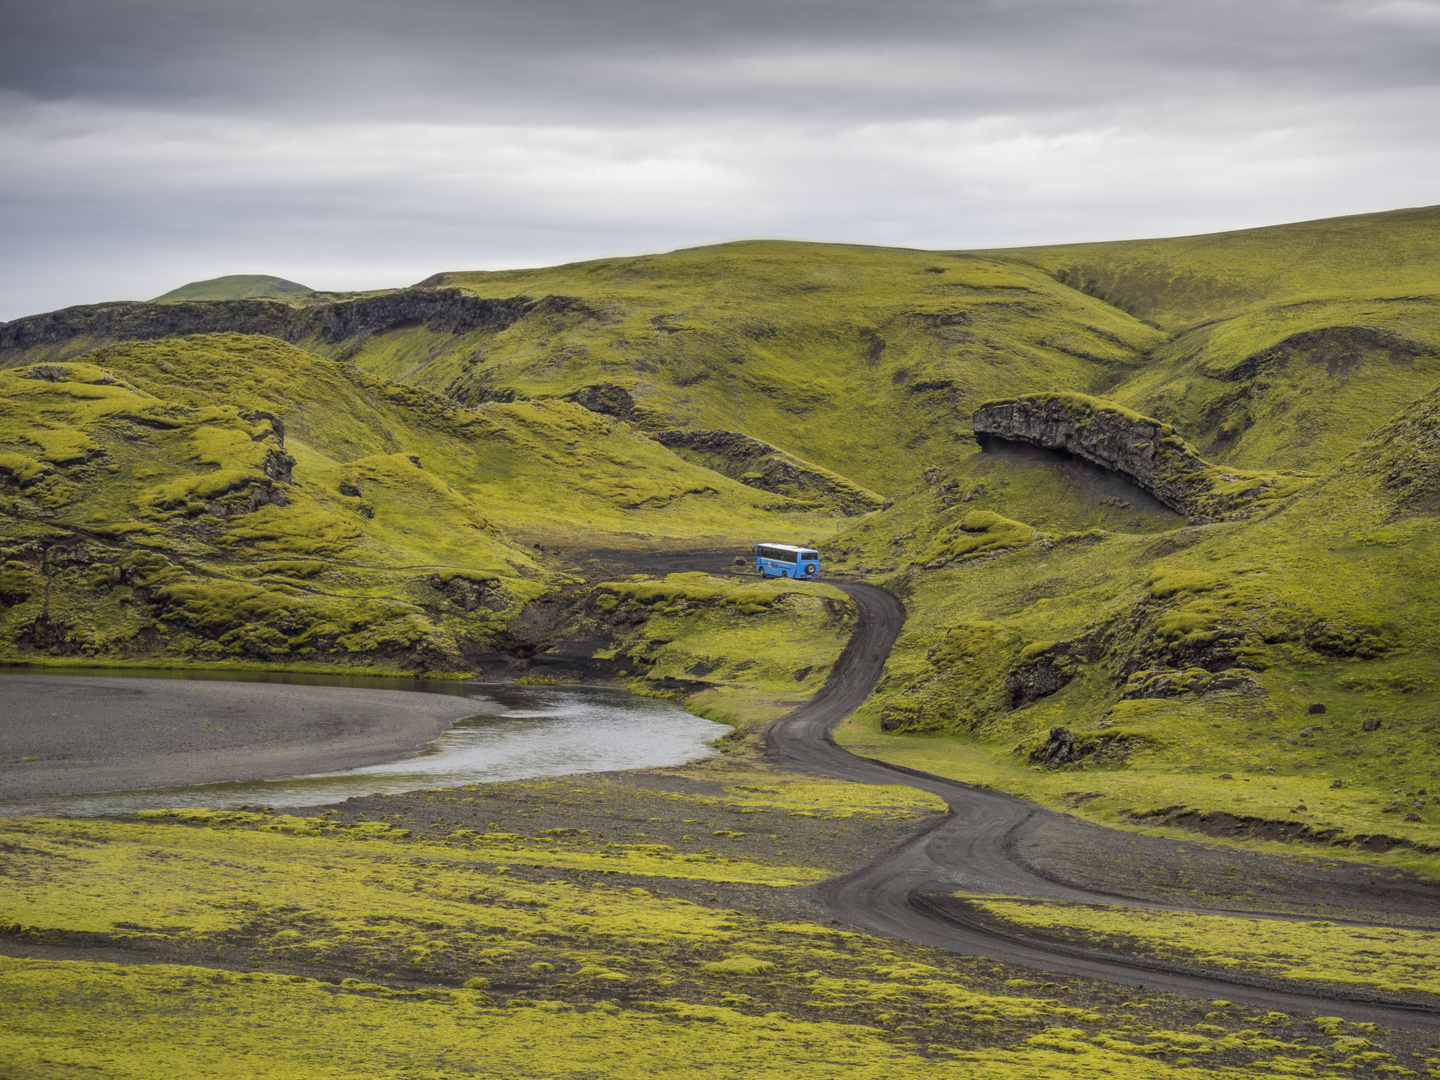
column 366, row 143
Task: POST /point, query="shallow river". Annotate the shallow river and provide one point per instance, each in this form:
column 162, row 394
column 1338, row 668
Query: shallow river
column 540, row 731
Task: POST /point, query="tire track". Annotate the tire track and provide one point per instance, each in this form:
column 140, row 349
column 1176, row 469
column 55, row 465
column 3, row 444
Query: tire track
column 901, row 893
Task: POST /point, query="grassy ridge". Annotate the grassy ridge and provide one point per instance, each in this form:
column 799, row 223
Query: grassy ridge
column 1184, row 280
column 237, row 287
column 778, row 340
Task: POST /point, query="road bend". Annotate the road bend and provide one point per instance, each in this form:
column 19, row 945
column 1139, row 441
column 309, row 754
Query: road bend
column 902, row 893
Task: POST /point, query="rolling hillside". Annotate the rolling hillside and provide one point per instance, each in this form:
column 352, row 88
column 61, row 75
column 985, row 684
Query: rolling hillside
column 773, row 340
column 1178, row 282
column 1288, row 344
column 1213, row 503
column 232, row 498
column 1163, row 519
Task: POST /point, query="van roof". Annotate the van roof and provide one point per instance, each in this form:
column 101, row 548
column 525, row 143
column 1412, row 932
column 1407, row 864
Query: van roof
column 785, row 547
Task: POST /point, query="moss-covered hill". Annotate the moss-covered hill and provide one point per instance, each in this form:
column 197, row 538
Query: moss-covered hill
column 866, row 361
column 1276, row 348
column 862, row 361
column 1177, row 282
column 1185, row 584
column 236, row 287
column 706, row 397
column 1287, row 344
column 1277, row 669
column 234, row 498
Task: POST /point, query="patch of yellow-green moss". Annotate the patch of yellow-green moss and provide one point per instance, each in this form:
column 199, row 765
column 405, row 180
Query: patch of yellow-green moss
column 1386, row 959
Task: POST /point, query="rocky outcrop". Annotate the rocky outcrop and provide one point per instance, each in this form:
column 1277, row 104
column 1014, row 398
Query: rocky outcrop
column 1404, row 456
column 1144, row 451
column 1339, row 349
column 1167, row 682
column 760, row 465
column 71, row 331
column 1149, row 454
column 1064, row 749
column 1029, row 684
column 606, row 399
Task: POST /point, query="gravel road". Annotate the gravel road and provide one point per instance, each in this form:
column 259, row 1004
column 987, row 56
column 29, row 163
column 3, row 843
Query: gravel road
column 978, row 847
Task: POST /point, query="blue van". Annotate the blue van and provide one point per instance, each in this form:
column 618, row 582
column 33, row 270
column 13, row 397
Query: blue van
column 786, row 560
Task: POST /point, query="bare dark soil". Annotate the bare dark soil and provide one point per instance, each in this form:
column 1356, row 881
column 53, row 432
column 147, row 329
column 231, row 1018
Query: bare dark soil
column 1217, row 877
column 555, row 639
column 67, row 735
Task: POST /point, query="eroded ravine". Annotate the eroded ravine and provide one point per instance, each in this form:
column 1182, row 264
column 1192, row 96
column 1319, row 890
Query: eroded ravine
column 974, row 848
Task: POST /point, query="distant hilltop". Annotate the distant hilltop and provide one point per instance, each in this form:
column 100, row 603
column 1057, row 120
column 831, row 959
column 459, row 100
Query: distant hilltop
column 235, row 287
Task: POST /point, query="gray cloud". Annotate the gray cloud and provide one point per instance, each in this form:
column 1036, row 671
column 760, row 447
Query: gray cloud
column 147, row 142
column 660, row 55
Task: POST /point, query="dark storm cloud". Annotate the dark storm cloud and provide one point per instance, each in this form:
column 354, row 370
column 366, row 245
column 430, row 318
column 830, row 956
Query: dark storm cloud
column 355, row 142
column 580, row 58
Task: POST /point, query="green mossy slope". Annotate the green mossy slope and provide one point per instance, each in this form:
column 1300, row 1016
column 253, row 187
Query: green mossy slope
column 1184, row 667
column 1288, row 344
column 781, row 341
column 1387, row 959
column 1177, row 281
column 146, row 523
column 752, row 649
column 1293, row 386
column 232, row 498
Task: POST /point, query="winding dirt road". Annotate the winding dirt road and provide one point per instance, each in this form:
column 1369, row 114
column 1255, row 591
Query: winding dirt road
column 977, row 848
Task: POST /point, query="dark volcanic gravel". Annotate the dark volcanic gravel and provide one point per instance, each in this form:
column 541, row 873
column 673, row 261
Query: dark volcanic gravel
column 70, row 735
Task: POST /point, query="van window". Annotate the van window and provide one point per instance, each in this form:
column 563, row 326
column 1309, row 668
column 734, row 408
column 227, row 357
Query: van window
column 777, row 554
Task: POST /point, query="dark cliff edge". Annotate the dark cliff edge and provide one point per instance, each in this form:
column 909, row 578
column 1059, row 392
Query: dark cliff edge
column 59, row 335
column 760, row 465
column 1148, row 453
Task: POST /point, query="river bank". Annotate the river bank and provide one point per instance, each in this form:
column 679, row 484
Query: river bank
column 67, row 735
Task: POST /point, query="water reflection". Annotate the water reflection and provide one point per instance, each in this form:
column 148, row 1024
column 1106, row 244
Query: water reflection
column 538, row 731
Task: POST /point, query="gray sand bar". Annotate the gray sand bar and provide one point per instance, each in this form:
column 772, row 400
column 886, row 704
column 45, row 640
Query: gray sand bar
column 89, row 734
